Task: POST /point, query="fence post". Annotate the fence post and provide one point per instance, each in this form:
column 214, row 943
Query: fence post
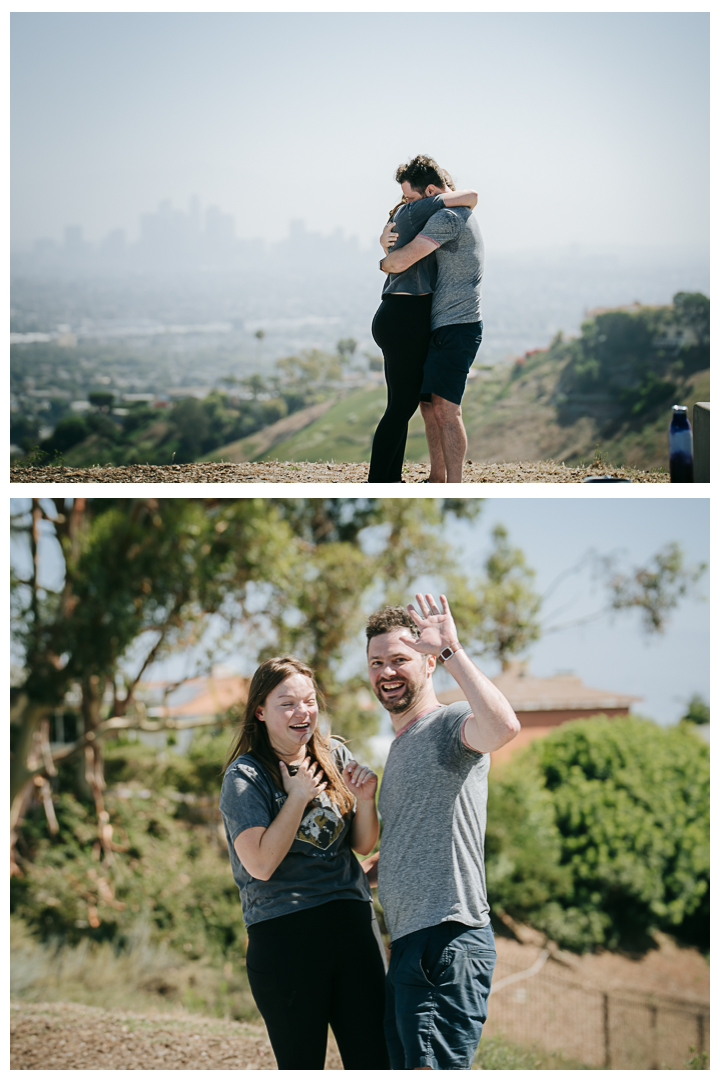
column 606, row 1029
column 701, row 1032
column 653, row 1026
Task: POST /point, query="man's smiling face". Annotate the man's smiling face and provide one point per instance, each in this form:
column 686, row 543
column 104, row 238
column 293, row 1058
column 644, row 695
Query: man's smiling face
column 398, row 674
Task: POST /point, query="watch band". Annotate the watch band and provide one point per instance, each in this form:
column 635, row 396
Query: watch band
column 449, row 651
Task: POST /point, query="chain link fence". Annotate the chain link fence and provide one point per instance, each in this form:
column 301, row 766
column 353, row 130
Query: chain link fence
column 611, row 1030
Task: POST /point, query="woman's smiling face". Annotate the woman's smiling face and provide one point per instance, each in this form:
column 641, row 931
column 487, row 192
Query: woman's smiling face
column 290, row 712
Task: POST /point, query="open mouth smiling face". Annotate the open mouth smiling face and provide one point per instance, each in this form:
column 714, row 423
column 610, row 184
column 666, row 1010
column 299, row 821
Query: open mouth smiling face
column 291, row 714
column 398, row 674
column 392, row 688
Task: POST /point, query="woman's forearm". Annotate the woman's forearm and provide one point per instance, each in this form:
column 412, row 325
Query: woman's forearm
column 464, row 197
column 365, row 827
column 262, row 850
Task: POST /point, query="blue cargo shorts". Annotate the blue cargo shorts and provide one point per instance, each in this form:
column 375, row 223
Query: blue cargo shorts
column 450, row 356
column 437, row 990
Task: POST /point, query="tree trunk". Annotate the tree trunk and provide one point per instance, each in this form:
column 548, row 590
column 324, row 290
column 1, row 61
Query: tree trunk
column 28, row 715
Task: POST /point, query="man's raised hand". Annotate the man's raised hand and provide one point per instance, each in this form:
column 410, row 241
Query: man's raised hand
column 437, row 627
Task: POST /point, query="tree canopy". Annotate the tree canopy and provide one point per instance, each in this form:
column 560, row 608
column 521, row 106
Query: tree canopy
column 599, row 833
column 636, row 358
column 143, row 576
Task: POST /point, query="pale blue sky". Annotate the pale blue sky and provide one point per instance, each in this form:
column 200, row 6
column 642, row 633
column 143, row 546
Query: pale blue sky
column 612, row 654
column 575, row 128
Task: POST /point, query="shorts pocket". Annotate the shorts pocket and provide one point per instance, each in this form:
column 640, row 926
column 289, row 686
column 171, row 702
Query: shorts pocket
column 433, row 968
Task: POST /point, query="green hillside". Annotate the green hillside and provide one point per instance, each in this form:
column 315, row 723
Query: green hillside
column 508, row 418
column 611, row 389
column 344, row 433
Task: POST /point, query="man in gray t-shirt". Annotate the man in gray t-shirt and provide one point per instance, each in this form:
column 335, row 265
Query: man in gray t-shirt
column 431, row 863
column 454, row 236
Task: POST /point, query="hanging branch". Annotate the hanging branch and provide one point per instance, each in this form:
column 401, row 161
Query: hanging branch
column 123, row 723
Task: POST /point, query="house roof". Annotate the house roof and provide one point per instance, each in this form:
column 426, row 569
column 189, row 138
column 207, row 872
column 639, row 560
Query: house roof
column 527, row 693
column 210, row 695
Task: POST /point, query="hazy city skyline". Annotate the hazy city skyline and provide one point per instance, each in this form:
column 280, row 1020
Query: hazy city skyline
column 586, row 129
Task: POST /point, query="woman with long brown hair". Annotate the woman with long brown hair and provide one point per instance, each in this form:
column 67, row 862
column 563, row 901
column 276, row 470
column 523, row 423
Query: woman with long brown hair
column 295, row 806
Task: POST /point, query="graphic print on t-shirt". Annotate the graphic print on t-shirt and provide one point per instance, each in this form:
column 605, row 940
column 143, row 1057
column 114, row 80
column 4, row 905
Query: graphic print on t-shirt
column 320, row 827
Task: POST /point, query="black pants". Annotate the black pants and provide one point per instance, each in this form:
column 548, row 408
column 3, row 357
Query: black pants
column 401, row 328
column 317, row 967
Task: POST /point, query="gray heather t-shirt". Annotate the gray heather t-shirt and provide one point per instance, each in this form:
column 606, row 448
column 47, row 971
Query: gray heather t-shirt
column 433, row 806
column 320, row 865
column 460, row 262
column 409, row 219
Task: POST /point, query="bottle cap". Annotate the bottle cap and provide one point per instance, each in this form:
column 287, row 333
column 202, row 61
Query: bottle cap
column 679, row 408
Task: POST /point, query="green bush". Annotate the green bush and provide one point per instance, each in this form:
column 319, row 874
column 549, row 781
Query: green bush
column 599, row 834
column 199, row 771
column 635, row 357
column 69, row 431
column 169, row 873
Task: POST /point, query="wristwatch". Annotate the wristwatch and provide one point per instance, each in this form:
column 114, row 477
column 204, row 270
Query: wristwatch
column 449, row 651
column 381, row 264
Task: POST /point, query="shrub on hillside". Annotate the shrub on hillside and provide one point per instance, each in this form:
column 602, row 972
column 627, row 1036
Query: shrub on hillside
column 599, row 834
column 198, row 771
column 165, row 872
column 635, row 358
column 69, row 431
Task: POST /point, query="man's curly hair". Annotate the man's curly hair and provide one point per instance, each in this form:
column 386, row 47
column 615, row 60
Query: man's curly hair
column 390, row 618
column 422, row 171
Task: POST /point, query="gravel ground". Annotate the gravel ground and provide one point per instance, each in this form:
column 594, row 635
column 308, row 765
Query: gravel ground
column 315, row 472
column 63, row 1035
column 68, row 1036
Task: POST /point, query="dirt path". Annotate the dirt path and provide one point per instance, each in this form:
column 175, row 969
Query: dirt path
column 315, row 472
column 66, row 1036
column 253, row 446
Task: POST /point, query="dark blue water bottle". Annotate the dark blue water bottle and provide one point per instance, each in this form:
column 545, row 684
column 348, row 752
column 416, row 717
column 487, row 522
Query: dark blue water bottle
column 681, row 448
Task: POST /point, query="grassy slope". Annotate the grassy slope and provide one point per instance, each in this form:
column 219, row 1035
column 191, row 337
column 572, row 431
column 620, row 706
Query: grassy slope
column 344, row 433
column 506, row 419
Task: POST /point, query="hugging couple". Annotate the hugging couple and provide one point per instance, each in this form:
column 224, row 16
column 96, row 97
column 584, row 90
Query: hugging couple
column 428, row 324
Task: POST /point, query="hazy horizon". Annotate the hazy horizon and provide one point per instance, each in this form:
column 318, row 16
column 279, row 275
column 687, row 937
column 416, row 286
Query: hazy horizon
column 576, row 129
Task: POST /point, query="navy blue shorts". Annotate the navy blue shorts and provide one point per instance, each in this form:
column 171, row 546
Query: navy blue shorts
column 436, row 996
column 449, row 359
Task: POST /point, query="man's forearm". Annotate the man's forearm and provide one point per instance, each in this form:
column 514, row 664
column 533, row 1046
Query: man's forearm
column 370, row 866
column 493, row 722
column 400, row 259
